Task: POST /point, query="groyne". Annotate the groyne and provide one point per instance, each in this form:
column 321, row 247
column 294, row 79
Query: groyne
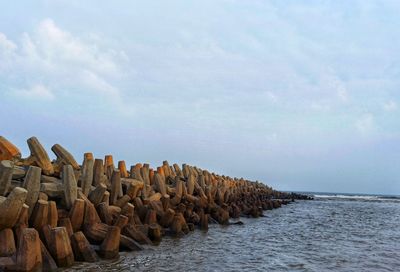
column 53, row 213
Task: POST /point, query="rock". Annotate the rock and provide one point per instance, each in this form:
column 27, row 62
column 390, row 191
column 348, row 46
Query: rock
column 60, row 247
column 29, row 254
column 190, row 185
column 115, row 187
column 132, row 232
column 109, row 165
column 52, row 215
column 87, row 173
column 158, row 207
column 76, row 214
column 95, row 232
column 8, row 151
column 145, row 173
column 62, row 213
column 151, row 176
column 82, row 249
column 276, row 204
column 7, row 243
column 32, row 185
column 11, row 207
column 222, row 216
column 109, row 248
column 63, row 158
column 203, row 221
column 122, row 221
column 185, row 227
column 6, row 174
column 178, row 170
column 39, row 216
column 154, row 232
column 53, row 190
column 191, row 226
column 96, row 196
column 43, row 196
column 180, row 187
column 19, row 172
column 128, row 210
column 98, row 172
column 129, row 244
column 91, row 217
column 154, row 197
column 106, row 197
column 165, row 201
column 135, row 172
column 48, row 262
column 115, row 211
column 176, row 226
column 22, row 222
column 159, row 184
column 134, row 186
column 151, row 217
column 66, row 223
column 39, row 157
column 167, row 219
column 122, row 169
column 70, row 186
column 236, row 223
column 50, row 179
column 104, row 214
column 8, row 264
column 122, row 201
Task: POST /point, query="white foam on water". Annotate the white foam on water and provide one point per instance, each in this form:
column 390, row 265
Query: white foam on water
column 358, row 197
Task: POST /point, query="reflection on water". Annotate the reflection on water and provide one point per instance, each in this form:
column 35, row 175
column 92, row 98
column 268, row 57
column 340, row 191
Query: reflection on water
column 321, row 235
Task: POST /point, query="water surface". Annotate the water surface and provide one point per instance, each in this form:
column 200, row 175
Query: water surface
column 331, row 233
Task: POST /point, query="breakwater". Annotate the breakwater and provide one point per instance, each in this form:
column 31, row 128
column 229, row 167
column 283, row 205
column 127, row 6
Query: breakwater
column 53, row 213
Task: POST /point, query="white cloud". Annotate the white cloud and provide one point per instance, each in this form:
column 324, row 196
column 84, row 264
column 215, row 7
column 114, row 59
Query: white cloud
column 271, row 97
column 320, row 106
column 390, row 106
column 342, row 94
column 7, row 51
column 335, row 85
column 94, row 81
column 6, row 45
column 365, row 124
column 51, row 56
column 58, row 46
column 36, row 92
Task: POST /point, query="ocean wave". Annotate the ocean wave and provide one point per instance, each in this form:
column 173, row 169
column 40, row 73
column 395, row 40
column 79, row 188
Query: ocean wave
column 358, row 197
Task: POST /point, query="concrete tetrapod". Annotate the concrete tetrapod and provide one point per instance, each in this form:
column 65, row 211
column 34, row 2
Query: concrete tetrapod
column 38, row 156
column 96, row 207
column 10, row 207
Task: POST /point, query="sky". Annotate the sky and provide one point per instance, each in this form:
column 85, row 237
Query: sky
column 301, row 95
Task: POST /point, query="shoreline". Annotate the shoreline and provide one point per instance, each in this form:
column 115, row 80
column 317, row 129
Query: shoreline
column 57, row 212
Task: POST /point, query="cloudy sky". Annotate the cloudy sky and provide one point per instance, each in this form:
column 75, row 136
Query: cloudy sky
column 302, row 95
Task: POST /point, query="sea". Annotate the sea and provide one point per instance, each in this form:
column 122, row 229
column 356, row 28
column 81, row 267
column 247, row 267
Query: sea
column 333, row 232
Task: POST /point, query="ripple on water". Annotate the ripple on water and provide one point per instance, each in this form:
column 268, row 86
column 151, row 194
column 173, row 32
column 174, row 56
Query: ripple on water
column 320, row 235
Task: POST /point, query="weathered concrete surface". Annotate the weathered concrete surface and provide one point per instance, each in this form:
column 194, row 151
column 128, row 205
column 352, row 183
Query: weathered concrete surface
column 70, row 186
column 39, row 156
column 11, row 207
column 6, row 174
column 32, row 185
column 87, row 173
column 73, row 206
column 8, row 151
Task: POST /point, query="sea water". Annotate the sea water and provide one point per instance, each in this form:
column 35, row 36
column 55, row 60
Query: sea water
column 334, row 232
